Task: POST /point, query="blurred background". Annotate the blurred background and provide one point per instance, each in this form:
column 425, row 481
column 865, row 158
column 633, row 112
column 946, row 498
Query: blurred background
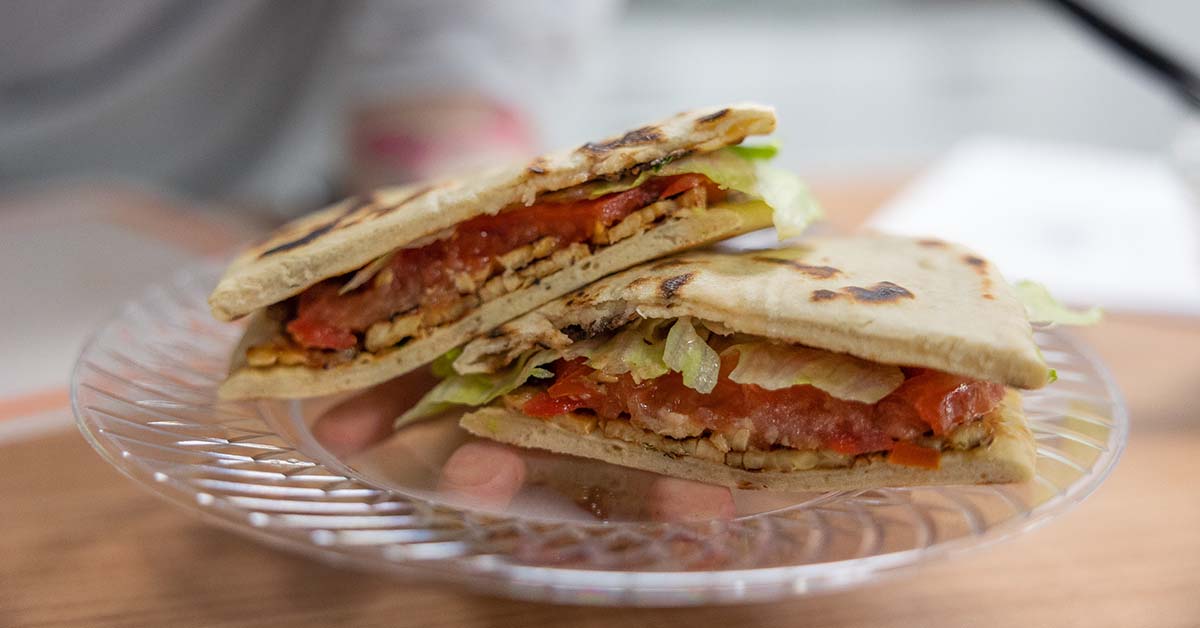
column 258, row 103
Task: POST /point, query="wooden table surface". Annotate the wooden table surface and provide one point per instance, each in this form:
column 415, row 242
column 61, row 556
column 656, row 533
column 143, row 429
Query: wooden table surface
column 80, row 545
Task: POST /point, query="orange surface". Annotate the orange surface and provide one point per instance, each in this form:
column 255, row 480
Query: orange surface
column 34, row 403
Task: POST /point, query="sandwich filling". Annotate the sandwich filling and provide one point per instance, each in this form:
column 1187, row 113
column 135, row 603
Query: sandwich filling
column 928, row 403
column 414, row 289
column 688, row 388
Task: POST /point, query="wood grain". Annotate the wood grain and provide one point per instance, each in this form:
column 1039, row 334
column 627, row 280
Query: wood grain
column 83, row 546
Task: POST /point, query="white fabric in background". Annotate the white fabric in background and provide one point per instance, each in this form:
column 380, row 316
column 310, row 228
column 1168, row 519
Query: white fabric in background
column 245, row 100
column 1098, row 226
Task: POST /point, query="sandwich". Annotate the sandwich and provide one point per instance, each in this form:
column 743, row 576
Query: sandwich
column 842, row 363
column 378, row 285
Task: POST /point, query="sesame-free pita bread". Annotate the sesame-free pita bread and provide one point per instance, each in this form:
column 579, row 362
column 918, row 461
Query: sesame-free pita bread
column 881, row 298
column 354, row 233
column 888, row 300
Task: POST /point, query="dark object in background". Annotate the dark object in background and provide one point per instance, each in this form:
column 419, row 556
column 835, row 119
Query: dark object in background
column 1182, row 79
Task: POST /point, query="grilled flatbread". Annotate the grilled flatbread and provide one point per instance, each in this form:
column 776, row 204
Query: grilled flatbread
column 356, row 235
column 932, row 323
column 885, row 299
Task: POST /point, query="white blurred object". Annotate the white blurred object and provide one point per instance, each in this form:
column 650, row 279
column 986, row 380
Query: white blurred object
column 1098, row 226
column 1185, row 152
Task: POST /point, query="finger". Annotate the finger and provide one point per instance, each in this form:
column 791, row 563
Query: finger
column 483, row 474
column 362, row 421
column 672, row 499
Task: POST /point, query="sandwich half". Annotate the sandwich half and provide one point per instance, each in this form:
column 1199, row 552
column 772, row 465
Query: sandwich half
column 844, row 363
column 378, row 285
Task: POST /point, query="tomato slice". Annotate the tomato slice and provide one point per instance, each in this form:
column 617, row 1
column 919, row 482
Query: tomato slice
column 844, row 443
column 683, row 183
column 425, row 277
column 569, row 382
column 941, row 399
column 319, row 336
column 544, row 405
column 912, row 455
column 802, row 417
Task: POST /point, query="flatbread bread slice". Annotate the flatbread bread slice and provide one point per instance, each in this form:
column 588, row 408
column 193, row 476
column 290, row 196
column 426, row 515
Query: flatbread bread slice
column 352, row 234
column 356, row 231
column 885, row 299
column 1005, row 455
column 372, row 368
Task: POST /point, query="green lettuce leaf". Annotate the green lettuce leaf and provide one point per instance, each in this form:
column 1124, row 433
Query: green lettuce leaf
column 744, row 169
column 640, row 350
column 794, row 208
column 477, row 389
column 596, row 189
column 687, row 353
column 443, row 366
column 775, row 366
column 634, row 350
column 1041, row 307
column 724, row 167
column 757, row 151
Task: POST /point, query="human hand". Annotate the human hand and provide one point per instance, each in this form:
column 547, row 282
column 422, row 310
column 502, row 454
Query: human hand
column 486, row 473
column 419, row 138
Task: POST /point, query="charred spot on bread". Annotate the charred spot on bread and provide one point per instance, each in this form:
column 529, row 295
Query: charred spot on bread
column 418, row 193
column 312, row 234
column 881, row 292
column 816, row 272
column 672, row 285
column 643, row 135
column 713, row 117
column 574, row 332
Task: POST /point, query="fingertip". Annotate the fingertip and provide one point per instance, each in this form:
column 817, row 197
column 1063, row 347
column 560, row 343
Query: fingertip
column 361, row 421
column 349, row 429
column 483, row 473
column 675, row 500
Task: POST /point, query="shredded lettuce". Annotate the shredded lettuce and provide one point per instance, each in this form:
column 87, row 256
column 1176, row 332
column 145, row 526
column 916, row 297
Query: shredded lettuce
column 637, row 349
column 1041, row 307
column 744, row 169
column 476, row 389
column 775, row 366
column 794, row 208
column 597, row 189
column 634, row 350
column 687, row 353
column 640, row 350
column 724, row 167
column 443, row 366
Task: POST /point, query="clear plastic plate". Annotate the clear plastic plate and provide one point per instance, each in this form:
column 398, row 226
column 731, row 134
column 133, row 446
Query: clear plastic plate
column 143, row 392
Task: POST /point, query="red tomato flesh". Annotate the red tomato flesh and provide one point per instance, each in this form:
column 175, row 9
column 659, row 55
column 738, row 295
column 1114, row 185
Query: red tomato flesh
column 424, row 276
column 801, row 417
column 911, row 455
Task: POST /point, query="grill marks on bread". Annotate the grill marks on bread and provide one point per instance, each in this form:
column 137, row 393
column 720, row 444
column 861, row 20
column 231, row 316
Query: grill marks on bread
column 643, row 135
column 881, row 292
